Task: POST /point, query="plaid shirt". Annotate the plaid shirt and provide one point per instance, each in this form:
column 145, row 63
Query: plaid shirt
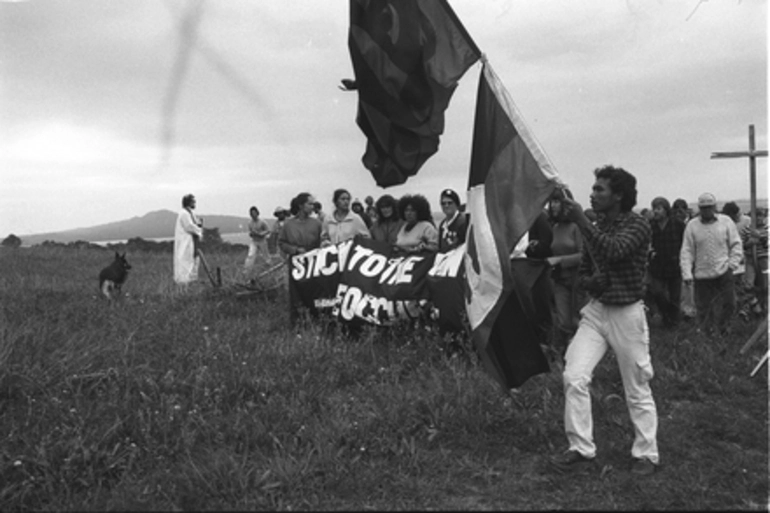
column 620, row 250
column 666, row 243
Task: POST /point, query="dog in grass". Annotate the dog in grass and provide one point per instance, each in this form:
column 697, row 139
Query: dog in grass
column 112, row 277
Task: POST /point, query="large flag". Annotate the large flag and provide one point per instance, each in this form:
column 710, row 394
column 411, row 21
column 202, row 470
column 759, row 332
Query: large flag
column 408, row 56
column 510, row 180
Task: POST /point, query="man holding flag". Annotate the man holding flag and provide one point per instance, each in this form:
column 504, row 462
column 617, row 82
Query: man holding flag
column 612, row 271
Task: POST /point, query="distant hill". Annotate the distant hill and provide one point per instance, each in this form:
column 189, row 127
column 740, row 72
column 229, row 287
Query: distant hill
column 157, row 224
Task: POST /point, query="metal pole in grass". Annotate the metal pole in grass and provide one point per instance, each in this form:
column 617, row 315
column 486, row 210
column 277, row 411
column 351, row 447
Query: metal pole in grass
column 206, row 268
column 758, row 334
column 761, row 362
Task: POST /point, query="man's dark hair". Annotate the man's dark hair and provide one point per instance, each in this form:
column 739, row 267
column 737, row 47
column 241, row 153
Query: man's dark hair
column 663, row 202
column 254, row 209
column 621, row 182
column 187, row 200
column 681, row 203
column 420, row 205
column 731, row 208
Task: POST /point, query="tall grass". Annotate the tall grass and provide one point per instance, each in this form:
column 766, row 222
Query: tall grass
column 198, row 399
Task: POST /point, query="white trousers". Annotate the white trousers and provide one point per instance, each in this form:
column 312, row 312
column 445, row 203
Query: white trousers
column 256, row 248
column 624, row 329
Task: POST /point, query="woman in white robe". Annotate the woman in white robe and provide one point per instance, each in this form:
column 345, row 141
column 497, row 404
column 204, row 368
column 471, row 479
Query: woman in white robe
column 188, row 227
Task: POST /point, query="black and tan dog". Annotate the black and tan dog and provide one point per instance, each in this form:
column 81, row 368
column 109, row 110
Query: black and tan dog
column 112, row 277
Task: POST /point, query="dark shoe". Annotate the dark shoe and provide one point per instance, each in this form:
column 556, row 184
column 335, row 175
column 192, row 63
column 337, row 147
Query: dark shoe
column 569, row 460
column 643, row 467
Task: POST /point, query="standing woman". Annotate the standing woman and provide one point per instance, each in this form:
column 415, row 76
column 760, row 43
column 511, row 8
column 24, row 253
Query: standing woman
column 188, row 231
column 343, row 224
column 665, row 286
column 300, row 234
column 418, row 234
column 387, row 225
column 567, row 246
column 453, row 228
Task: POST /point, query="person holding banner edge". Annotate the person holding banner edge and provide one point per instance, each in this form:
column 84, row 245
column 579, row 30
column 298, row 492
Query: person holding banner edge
column 418, row 233
column 299, row 234
column 612, row 272
column 343, row 224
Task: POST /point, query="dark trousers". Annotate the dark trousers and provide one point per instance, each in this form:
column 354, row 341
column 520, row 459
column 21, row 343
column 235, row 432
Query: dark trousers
column 715, row 300
column 666, row 294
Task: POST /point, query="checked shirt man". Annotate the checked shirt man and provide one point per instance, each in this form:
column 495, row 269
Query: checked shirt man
column 612, row 271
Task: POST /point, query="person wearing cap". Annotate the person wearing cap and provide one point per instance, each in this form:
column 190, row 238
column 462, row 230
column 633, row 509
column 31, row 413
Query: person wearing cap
column 454, row 226
column 343, row 224
column 611, row 271
column 711, row 252
column 665, row 287
column 188, row 231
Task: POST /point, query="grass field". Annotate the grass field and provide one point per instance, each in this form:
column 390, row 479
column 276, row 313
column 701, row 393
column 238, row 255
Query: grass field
column 200, row 400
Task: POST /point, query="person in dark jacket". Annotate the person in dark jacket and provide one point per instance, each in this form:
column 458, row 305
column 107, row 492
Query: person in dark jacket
column 665, row 287
column 453, row 228
column 387, row 225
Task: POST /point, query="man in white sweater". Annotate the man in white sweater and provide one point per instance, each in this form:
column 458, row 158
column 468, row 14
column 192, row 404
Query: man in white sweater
column 711, row 252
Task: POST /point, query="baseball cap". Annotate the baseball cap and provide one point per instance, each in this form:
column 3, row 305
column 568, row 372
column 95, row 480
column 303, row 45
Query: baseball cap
column 452, row 195
column 707, row 200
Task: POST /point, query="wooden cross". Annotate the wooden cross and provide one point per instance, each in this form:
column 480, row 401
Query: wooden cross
column 752, row 154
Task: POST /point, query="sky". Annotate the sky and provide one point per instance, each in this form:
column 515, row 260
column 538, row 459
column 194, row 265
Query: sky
column 112, row 109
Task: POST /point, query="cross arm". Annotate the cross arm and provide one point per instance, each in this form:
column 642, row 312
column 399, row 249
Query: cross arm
column 738, row 154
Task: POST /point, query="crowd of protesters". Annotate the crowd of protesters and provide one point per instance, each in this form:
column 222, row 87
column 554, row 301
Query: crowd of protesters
column 406, row 224
column 705, row 265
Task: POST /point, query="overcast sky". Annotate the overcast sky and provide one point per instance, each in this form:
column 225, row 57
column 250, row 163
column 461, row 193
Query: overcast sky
column 255, row 117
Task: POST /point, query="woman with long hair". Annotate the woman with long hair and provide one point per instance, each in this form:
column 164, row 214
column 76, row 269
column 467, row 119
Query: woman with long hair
column 300, row 233
column 567, row 247
column 343, row 224
column 418, row 233
column 387, row 225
